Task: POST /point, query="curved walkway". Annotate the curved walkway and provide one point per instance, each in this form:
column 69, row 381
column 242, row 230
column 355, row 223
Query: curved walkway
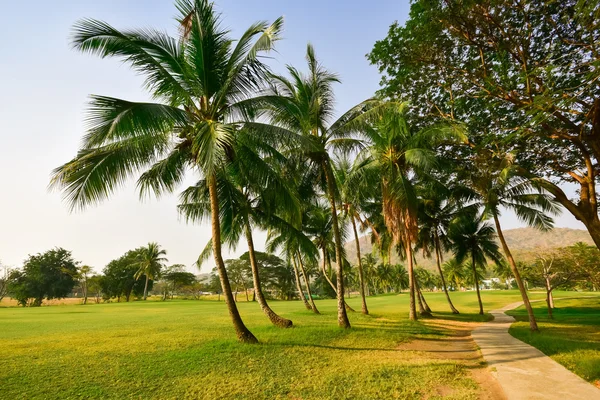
column 523, row 371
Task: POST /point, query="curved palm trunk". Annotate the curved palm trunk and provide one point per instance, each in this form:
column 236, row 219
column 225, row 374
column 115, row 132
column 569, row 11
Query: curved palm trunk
column 273, row 317
column 365, row 310
column 327, row 261
column 343, row 321
column 243, row 334
column 305, row 275
column 146, row 288
column 513, row 266
column 477, row 285
column 422, row 302
column 412, row 313
column 439, row 267
column 299, row 286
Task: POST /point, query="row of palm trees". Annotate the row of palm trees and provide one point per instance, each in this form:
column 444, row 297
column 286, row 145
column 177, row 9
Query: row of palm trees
column 269, row 155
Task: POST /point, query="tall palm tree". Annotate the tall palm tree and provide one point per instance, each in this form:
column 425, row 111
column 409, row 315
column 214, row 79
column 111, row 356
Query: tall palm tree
column 397, row 155
column 304, row 105
column 352, row 190
column 202, row 85
column 151, row 259
column 436, row 212
column 501, row 184
column 250, row 188
column 475, row 239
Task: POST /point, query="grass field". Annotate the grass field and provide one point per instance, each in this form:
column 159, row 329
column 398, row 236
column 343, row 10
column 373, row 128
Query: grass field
column 187, row 349
column 572, row 338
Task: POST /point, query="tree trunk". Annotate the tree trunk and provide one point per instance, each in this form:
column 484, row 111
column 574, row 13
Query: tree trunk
column 243, row 334
column 513, row 266
column 247, row 297
column 412, row 313
column 439, row 267
column 146, row 288
column 305, row 275
column 549, row 302
column 477, row 285
column 343, row 321
column 299, row 286
column 365, row 310
column 85, row 291
column 420, row 292
column 273, row 317
column 326, row 260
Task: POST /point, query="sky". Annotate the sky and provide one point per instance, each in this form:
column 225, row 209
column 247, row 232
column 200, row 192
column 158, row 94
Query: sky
column 45, row 87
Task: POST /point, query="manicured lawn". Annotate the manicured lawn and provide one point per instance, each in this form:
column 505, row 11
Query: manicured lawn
column 572, row 338
column 187, row 349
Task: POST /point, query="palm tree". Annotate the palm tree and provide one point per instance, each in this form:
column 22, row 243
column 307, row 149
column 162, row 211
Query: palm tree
column 501, row 184
column 455, row 272
column 436, row 212
column 150, row 262
column 476, row 239
column 304, row 105
column 202, row 84
column 397, row 155
column 352, row 189
column 249, row 189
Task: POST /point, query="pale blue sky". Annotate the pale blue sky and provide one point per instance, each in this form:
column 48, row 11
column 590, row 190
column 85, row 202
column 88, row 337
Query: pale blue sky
column 44, row 91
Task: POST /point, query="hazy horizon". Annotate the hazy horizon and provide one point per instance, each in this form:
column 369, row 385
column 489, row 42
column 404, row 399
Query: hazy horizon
column 45, row 95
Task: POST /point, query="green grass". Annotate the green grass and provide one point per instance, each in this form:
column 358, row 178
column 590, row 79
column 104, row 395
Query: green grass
column 572, row 338
column 187, row 349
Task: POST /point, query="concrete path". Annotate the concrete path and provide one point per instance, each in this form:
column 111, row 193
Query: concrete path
column 523, row 371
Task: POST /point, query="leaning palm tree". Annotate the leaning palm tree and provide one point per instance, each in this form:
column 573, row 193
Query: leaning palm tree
column 475, row 239
column 352, row 190
column 397, row 155
column 436, row 212
column 304, row 105
column 201, row 83
column 500, row 184
column 245, row 203
column 150, row 262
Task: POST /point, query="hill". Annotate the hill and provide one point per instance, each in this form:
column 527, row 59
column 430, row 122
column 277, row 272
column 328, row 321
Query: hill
column 523, row 242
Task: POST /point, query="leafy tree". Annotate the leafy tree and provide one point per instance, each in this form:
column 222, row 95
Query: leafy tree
column 5, row 278
column 240, row 273
column 474, row 239
column 202, row 83
column 94, row 286
column 150, row 262
column 552, row 270
column 586, row 260
column 521, row 74
column 119, row 277
column 83, row 276
column 49, row 275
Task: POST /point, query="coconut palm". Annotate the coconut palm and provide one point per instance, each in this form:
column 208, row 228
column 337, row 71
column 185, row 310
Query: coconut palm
column 436, row 212
column 151, row 259
column 249, row 189
column 304, row 105
column 352, row 189
column 201, row 84
column 474, row 239
column 397, row 155
column 455, row 272
column 500, row 184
